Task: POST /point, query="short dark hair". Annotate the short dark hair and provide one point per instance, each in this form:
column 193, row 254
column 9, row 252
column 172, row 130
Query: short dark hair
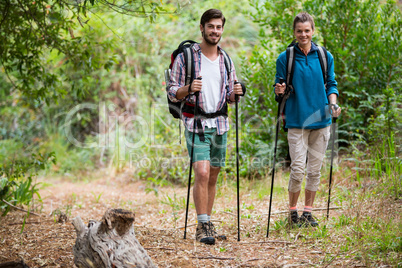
column 303, row 17
column 212, row 14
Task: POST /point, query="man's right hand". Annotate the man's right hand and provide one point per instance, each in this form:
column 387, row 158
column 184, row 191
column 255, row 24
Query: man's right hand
column 280, row 88
column 196, row 85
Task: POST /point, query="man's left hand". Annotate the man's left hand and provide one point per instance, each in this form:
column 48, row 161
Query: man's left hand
column 237, row 89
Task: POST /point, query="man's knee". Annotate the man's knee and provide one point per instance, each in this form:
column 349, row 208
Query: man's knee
column 202, row 174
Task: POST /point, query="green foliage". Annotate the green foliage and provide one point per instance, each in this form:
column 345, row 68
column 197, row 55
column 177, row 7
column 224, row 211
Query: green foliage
column 69, row 159
column 114, row 62
column 367, row 52
column 44, row 54
column 97, row 197
column 104, row 59
column 32, row 29
column 365, row 39
column 388, row 165
column 154, row 184
column 17, row 174
column 176, row 204
column 386, row 116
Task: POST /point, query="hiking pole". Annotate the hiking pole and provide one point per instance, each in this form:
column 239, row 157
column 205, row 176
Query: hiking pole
column 237, row 164
column 191, row 158
column 281, row 81
column 335, row 106
column 243, row 87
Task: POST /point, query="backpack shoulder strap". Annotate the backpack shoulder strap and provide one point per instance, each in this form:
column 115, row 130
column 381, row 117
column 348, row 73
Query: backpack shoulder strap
column 228, row 63
column 188, row 58
column 290, row 61
column 322, row 56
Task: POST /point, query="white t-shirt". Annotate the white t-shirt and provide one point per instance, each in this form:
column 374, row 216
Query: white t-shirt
column 211, row 87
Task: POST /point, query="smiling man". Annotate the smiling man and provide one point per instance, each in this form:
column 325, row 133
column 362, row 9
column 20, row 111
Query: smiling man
column 215, row 89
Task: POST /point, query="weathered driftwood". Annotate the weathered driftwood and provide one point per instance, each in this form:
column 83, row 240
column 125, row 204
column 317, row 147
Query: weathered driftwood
column 14, row 264
column 109, row 243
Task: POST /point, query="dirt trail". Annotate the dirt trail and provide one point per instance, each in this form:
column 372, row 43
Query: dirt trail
column 47, row 243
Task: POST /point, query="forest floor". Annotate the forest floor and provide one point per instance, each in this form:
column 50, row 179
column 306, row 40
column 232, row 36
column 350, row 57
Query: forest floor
column 159, row 222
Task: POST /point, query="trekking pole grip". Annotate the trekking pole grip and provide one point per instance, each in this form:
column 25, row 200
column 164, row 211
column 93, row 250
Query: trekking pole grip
column 236, row 96
column 281, row 81
column 336, row 107
column 197, row 93
column 243, row 88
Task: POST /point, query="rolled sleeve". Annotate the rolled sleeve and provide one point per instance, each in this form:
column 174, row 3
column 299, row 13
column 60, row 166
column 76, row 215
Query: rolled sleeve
column 177, row 78
column 331, row 82
column 232, row 79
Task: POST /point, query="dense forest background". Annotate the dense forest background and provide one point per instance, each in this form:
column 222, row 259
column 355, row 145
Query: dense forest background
column 82, row 87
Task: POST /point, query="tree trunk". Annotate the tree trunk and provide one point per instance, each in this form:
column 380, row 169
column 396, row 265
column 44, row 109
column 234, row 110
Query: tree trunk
column 109, row 243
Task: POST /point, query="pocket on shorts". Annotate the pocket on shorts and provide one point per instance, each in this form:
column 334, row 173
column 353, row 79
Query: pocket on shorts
column 327, row 135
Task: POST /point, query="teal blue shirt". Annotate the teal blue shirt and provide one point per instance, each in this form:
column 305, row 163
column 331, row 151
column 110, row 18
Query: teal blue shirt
column 308, row 106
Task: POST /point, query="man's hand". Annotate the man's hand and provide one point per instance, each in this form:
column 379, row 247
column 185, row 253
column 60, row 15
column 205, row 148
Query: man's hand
column 237, row 89
column 195, row 86
column 280, row 88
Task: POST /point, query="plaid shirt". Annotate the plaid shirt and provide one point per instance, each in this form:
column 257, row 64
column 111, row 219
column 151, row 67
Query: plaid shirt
column 177, row 80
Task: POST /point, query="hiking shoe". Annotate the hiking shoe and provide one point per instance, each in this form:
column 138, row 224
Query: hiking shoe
column 214, row 233
column 307, row 219
column 203, row 234
column 294, row 219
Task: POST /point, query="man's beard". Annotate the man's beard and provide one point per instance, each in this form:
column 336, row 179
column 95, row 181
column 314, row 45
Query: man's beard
column 209, row 41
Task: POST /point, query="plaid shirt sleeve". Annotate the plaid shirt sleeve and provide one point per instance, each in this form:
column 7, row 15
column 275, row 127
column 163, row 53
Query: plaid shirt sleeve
column 177, row 79
column 230, row 83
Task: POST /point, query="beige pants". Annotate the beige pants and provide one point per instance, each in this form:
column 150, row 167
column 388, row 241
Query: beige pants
column 306, row 142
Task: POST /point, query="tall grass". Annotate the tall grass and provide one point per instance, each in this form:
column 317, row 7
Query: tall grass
column 388, row 166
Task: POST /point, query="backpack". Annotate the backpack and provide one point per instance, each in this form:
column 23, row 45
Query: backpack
column 185, row 47
column 290, row 62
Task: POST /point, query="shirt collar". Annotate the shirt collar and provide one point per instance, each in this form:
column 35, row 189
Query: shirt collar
column 305, row 52
column 313, row 47
column 197, row 48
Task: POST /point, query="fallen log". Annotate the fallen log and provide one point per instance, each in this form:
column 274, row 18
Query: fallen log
column 14, row 264
column 109, row 243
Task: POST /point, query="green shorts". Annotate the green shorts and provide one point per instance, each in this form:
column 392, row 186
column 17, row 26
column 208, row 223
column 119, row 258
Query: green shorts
column 212, row 149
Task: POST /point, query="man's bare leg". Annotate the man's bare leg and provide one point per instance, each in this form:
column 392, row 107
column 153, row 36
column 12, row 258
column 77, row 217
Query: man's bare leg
column 213, row 177
column 200, row 190
column 201, row 195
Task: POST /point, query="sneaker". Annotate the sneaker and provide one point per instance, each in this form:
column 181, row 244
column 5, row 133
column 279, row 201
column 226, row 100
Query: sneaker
column 203, row 234
column 214, row 233
column 307, row 219
column 294, row 219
